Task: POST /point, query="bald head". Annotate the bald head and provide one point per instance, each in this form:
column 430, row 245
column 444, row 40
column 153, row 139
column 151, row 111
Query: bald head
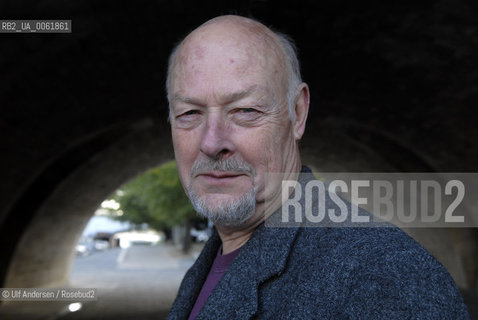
column 257, row 47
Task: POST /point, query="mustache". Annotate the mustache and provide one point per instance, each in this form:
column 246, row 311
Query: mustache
column 228, row 165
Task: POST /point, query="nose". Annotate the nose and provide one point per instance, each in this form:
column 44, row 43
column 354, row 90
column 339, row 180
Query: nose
column 215, row 141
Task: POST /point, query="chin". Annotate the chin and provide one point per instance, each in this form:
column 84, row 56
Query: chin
column 219, row 199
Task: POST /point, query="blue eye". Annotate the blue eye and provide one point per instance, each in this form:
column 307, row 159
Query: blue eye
column 247, row 110
column 190, row 112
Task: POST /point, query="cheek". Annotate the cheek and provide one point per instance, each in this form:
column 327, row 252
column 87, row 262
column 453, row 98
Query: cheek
column 184, row 141
column 259, row 149
column 185, row 153
column 253, row 146
column 276, row 147
column 262, row 143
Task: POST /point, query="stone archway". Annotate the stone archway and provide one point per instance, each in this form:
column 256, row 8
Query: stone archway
column 44, row 252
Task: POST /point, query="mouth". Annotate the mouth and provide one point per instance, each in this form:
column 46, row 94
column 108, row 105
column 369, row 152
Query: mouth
column 220, row 176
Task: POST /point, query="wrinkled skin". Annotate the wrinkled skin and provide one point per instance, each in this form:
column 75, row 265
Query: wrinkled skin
column 228, row 100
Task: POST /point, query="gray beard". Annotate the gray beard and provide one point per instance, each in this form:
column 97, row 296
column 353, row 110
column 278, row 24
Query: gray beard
column 231, row 213
column 228, row 214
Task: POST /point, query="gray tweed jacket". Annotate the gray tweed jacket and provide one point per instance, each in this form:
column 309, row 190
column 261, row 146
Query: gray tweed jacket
column 324, row 273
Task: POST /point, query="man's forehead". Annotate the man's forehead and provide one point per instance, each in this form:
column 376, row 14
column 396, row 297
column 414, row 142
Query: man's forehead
column 216, row 55
column 222, row 97
column 228, row 72
column 226, row 48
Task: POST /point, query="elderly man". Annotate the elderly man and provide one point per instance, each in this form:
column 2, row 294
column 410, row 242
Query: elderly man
column 238, row 109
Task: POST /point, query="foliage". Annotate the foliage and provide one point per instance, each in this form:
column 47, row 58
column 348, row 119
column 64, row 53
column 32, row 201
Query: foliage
column 156, row 197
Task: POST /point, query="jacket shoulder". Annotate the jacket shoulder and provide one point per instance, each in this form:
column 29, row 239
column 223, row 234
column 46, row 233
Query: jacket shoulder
column 372, row 273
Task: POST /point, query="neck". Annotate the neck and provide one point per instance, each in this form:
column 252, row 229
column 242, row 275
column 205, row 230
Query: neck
column 231, row 242
column 234, row 238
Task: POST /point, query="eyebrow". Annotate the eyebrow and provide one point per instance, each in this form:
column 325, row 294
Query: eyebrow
column 228, row 98
column 188, row 100
column 224, row 99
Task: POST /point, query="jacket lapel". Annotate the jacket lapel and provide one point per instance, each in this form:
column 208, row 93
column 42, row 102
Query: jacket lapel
column 194, row 279
column 263, row 256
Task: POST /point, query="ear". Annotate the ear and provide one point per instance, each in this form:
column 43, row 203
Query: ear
column 301, row 110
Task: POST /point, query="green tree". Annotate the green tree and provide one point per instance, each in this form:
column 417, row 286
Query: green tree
column 157, row 198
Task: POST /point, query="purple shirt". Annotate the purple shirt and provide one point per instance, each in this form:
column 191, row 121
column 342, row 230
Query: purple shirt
column 219, row 267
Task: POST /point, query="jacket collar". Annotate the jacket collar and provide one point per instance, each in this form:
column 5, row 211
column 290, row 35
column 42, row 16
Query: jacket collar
column 194, row 279
column 264, row 255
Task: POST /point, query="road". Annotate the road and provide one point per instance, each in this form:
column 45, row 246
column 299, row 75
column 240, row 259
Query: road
column 139, row 282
